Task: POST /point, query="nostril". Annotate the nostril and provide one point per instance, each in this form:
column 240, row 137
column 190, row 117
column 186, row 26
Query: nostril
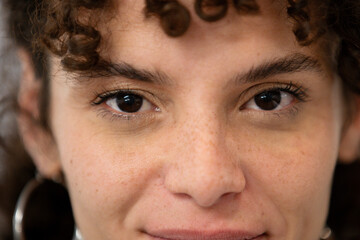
column 226, row 195
column 183, row 196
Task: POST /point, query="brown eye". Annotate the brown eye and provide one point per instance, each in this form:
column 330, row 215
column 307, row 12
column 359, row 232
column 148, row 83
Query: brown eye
column 129, row 103
column 270, row 100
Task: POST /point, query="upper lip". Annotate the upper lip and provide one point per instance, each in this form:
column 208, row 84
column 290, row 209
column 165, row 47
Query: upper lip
column 203, row 235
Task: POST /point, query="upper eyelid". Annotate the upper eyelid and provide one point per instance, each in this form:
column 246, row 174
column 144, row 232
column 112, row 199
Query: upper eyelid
column 262, row 87
column 102, row 97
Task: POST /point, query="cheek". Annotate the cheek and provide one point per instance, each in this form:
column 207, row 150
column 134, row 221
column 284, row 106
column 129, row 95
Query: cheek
column 298, row 169
column 106, row 174
column 293, row 169
column 300, row 163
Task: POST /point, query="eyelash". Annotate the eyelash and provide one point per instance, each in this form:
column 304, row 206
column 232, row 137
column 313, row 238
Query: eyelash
column 104, row 97
column 101, row 98
column 297, row 91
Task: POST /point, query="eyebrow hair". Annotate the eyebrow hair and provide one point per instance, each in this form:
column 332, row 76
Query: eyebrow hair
column 297, row 62
column 289, row 64
column 126, row 70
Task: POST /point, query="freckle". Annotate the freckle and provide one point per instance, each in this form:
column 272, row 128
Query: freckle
column 97, row 190
column 123, row 183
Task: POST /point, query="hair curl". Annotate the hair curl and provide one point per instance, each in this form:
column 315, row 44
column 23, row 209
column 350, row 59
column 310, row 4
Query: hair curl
column 64, row 28
column 77, row 43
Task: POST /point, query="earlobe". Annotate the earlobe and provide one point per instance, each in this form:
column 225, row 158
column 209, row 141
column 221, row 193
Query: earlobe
column 350, row 143
column 38, row 141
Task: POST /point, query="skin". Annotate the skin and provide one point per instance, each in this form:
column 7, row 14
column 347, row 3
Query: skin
column 199, row 156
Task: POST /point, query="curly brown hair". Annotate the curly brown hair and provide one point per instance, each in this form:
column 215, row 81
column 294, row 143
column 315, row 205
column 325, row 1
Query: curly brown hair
column 68, row 29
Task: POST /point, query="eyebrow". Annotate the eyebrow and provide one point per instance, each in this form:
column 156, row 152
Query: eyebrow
column 289, row 64
column 126, row 70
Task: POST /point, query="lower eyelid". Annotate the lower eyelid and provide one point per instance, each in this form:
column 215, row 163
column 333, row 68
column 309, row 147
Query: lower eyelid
column 139, row 118
column 273, row 119
column 113, row 116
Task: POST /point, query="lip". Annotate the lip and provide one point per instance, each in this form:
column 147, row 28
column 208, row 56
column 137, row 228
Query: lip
column 205, row 235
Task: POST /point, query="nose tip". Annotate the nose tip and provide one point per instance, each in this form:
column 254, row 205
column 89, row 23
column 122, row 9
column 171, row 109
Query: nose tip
column 213, row 191
column 207, row 186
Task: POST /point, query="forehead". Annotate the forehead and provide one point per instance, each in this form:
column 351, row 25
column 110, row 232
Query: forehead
column 232, row 45
column 131, row 31
column 235, row 26
column 238, row 37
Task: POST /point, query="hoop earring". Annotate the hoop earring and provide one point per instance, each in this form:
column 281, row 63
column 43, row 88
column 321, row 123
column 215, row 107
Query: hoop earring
column 326, row 233
column 77, row 234
column 53, row 200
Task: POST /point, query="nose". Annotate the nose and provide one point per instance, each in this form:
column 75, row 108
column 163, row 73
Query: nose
column 204, row 168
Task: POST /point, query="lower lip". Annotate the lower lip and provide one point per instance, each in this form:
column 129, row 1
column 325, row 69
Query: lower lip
column 261, row 237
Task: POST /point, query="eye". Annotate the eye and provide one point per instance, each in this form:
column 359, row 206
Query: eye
column 270, row 100
column 128, row 103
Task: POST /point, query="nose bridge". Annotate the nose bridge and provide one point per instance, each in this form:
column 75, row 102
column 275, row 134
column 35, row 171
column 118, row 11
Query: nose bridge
column 204, row 168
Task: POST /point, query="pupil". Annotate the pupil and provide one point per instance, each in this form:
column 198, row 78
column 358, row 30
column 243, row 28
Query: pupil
column 268, row 100
column 129, row 102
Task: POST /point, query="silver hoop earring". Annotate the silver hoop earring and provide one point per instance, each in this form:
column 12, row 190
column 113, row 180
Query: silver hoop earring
column 326, row 233
column 39, row 200
column 77, row 234
column 18, row 217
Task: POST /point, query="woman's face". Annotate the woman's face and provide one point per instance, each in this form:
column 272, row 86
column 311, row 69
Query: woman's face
column 231, row 131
